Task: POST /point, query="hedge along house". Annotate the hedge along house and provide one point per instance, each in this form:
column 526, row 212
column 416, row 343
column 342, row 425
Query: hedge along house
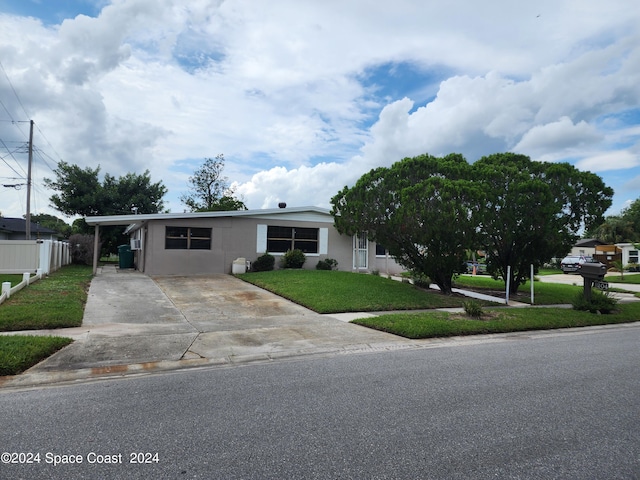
column 209, row 242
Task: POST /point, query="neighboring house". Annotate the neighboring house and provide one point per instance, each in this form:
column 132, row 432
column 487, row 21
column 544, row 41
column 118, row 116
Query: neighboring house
column 209, row 242
column 605, row 253
column 16, row 229
column 586, row 246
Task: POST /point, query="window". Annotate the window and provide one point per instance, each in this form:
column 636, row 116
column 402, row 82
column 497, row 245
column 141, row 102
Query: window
column 380, row 250
column 281, row 239
column 187, row 238
column 633, row 256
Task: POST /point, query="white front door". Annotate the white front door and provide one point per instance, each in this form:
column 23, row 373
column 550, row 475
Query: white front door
column 360, row 252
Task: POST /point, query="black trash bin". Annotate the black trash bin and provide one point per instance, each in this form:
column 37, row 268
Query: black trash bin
column 125, row 256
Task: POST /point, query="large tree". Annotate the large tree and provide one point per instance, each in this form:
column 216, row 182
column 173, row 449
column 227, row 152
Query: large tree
column 419, row 209
column 80, row 192
column 209, row 190
column 53, row 223
column 532, row 211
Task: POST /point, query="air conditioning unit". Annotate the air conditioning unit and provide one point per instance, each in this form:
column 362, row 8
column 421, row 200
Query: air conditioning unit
column 135, row 244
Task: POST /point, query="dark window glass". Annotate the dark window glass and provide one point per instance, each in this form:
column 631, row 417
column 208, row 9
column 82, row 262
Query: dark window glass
column 187, row 238
column 281, row 239
column 380, row 250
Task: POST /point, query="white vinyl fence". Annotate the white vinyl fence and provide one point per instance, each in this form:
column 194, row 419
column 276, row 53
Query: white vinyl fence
column 20, row 256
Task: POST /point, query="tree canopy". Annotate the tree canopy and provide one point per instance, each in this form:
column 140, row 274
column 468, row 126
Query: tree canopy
column 533, row 211
column 419, row 209
column 209, row 190
column 427, row 211
column 81, row 193
column 620, row 228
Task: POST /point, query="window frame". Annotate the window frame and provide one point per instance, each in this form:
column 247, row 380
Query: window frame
column 278, row 235
column 193, row 238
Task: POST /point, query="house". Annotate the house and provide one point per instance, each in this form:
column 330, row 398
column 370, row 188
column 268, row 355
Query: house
column 586, row 246
column 16, row 229
column 210, row 242
column 627, row 253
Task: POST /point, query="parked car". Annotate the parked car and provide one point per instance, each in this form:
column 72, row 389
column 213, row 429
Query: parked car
column 571, row 263
column 480, row 267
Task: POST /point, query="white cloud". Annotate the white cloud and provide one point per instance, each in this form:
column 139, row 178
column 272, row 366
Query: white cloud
column 278, row 87
column 614, row 160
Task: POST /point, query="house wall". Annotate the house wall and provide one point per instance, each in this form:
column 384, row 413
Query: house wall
column 236, row 237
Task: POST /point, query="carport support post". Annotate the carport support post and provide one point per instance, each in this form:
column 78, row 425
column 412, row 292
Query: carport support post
column 507, row 281
column 96, row 250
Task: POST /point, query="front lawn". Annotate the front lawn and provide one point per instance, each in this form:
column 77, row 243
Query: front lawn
column 633, row 278
column 335, row 291
column 441, row 324
column 55, row 301
column 20, row 352
column 13, row 279
column 544, row 293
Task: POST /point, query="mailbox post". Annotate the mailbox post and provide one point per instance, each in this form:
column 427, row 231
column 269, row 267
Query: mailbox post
column 591, row 272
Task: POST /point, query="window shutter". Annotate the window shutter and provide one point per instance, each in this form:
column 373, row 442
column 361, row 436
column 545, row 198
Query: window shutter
column 323, row 241
column 261, row 240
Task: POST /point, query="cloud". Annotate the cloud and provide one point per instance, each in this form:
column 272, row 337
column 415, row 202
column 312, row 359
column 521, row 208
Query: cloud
column 614, row 160
column 286, row 92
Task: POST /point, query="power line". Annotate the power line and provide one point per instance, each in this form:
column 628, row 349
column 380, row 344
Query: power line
column 14, row 91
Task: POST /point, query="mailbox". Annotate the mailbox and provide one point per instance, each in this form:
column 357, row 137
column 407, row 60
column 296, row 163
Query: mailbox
column 592, row 270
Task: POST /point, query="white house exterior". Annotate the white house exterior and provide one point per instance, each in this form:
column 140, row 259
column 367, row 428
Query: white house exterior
column 210, row 242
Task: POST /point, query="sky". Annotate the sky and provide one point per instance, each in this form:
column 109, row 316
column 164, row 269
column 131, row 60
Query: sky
column 303, row 97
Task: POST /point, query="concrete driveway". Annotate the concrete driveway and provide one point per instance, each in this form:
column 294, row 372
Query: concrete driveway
column 134, row 324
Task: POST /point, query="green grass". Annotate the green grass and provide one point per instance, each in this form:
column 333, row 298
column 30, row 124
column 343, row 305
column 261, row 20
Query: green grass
column 628, row 278
column 334, row 291
column 544, row 293
column 441, row 324
column 20, row 352
column 549, row 271
column 55, row 301
column 11, row 278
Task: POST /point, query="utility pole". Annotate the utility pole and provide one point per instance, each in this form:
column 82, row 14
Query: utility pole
column 28, row 217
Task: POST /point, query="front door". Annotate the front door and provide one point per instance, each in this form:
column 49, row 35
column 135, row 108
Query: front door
column 360, row 252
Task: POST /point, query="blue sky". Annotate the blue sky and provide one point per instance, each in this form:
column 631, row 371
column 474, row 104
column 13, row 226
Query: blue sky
column 304, row 97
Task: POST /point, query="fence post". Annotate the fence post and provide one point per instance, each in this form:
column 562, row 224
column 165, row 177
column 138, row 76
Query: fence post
column 6, row 288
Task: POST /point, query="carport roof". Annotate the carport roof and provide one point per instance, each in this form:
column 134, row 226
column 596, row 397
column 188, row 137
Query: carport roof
column 134, row 220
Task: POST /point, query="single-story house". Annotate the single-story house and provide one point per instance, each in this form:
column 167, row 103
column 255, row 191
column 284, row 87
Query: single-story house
column 210, row 242
column 586, row 246
column 16, row 229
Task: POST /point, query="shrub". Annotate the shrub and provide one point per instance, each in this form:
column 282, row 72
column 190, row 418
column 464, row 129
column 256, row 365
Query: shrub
column 600, row 302
column 81, row 249
column 293, row 259
column 263, row 263
column 327, row 264
column 421, row 280
column 473, row 308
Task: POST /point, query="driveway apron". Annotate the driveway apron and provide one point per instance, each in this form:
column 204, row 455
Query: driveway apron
column 238, row 321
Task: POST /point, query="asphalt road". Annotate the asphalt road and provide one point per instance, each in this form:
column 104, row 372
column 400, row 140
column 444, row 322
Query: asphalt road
column 562, row 406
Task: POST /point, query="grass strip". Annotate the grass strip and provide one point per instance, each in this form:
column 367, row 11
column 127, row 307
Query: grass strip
column 544, row 293
column 19, row 352
column 335, row 291
column 55, row 301
column 441, row 324
column 633, row 279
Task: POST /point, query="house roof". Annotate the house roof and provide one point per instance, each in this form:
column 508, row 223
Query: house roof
column 290, row 213
column 19, row 225
column 589, row 242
